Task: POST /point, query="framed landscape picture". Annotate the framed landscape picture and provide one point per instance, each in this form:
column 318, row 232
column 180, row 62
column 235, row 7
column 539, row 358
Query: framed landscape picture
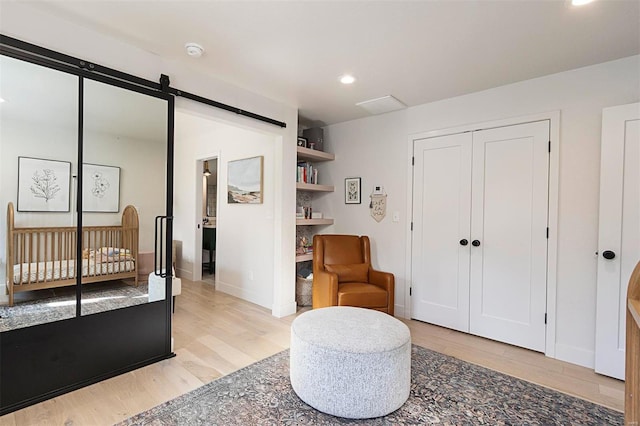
column 244, row 184
column 100, row 188
column 43, row 185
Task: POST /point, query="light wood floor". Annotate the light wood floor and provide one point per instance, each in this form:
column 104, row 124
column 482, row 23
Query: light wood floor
column 216, row 334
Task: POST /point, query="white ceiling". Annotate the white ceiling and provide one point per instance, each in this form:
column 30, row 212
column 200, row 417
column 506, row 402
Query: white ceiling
column 417, row 51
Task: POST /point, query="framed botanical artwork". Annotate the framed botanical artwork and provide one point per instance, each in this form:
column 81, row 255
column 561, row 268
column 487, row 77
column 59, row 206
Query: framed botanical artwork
column 352, row 190
column 43, row 185
column 100, row 188
column 244, row 181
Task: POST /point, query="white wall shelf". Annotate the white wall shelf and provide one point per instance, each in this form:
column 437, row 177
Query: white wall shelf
column 301, row 186
column 304, row 257
column 301, row 222
column 311, row 156
column 307, row 154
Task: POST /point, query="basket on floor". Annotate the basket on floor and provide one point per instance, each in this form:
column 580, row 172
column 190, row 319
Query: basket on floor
column 303, row 291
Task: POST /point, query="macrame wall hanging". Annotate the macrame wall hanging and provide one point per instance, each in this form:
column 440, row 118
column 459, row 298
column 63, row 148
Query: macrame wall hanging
column 378, row 204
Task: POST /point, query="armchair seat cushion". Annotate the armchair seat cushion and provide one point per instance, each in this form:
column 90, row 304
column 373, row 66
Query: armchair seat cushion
column 361, row 294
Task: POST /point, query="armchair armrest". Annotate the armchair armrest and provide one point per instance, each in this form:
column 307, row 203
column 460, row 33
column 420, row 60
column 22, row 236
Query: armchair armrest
column 324, row 289
column 384, row 280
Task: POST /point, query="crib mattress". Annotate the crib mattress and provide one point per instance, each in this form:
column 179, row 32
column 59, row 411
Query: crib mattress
column 59, row 270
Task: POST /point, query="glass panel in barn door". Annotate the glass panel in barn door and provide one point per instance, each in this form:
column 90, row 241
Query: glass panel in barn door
column 38, row 163
column 123, row 190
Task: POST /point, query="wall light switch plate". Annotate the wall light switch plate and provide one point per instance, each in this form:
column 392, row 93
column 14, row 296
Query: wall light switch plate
column 396, row 216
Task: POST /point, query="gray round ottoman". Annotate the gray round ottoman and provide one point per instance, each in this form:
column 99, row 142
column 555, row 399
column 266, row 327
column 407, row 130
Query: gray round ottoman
column 350, row 362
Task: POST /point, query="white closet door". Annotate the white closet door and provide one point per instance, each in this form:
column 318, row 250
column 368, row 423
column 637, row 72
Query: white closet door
column 441, row 208
column 509, row 232
column 619, row 232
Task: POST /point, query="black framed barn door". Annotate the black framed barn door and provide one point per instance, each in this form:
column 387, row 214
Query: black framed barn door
column 82, row 234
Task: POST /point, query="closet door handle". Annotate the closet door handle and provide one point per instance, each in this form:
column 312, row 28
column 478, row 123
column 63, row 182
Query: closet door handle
column 464, row 242
column 475, row 243
column 608, row 254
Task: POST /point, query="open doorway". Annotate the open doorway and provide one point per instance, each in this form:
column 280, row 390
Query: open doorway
column 207, row 211
column 252, row 241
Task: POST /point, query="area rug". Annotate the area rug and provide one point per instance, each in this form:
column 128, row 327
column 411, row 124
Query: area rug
column 58, row 304
column 444, row 390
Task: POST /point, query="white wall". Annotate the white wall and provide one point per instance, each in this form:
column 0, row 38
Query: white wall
column 376, row 149
column 142, row 165
column 30, row 24
column 245, row 232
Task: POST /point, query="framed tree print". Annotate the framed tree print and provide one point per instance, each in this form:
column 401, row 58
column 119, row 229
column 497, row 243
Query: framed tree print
column 43, row 185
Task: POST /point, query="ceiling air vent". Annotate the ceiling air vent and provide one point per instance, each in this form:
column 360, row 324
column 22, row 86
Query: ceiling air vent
column 381, row 105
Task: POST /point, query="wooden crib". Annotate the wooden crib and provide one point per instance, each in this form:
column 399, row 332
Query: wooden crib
column 45, row 257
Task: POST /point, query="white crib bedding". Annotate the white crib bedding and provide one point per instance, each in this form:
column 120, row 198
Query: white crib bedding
column 60, row 270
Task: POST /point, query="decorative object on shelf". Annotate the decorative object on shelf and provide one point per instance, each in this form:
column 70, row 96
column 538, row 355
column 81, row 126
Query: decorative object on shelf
column 100, row 188
column 352, row 190
column 304, row 246
column 43, row 185
column 316, row 215
column 315, row 138
column 244, row 184
column 378, row 204
column 307, row 212
column 302, row 142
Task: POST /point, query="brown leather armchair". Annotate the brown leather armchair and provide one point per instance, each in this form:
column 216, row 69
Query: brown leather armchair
column 343, row 276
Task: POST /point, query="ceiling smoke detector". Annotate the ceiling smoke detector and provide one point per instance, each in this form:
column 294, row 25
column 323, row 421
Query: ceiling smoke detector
column 194, row 49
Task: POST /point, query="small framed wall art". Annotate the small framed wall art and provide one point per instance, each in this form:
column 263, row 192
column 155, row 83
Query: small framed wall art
column 303, row 142
column 352, row 190
column 43, row 185
column 100, row 188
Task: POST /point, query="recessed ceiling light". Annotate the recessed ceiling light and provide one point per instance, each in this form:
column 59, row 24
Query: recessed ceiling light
column 194, row 49
column 1, row 100
column 580, row 2
column 347, row 79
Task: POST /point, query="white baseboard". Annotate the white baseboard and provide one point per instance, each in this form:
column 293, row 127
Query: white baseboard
column 280, row 311
column 398, row 311
column 185, row 273
column 242, row 293
column 575, row 355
